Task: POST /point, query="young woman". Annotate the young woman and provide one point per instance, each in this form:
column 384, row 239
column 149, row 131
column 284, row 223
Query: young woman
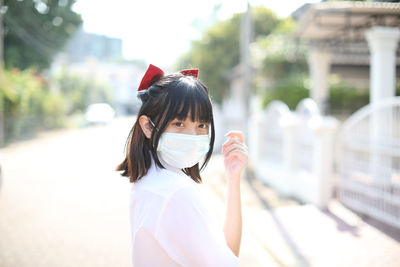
column 170, row 143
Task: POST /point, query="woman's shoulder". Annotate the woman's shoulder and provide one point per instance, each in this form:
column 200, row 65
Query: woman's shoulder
column 165, row 182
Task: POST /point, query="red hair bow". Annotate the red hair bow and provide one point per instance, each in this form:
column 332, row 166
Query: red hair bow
column 153, row 73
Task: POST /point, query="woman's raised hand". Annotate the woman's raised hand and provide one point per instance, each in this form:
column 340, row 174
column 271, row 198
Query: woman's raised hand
column 235, row 154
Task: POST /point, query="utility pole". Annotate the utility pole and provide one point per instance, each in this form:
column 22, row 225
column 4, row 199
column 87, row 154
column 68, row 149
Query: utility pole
column 1, row 76
column 245, row 73
column 246, row 33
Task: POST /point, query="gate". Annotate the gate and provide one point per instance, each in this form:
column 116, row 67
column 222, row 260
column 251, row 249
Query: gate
column 369, row 161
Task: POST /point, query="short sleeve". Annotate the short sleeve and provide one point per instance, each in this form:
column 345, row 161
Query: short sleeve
column 189, row 236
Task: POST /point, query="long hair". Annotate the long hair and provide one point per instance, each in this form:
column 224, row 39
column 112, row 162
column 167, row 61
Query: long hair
column 173, row 96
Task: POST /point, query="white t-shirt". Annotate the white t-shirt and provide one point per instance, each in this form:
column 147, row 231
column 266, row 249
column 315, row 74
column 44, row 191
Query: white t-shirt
column 171, row 226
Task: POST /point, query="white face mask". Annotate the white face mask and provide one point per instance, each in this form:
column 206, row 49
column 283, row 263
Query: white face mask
column 182, row 150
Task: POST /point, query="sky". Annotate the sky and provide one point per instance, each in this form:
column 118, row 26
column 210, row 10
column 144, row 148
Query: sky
column 158, row 31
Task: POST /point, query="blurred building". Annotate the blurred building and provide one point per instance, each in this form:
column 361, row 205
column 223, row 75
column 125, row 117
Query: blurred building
column 84, row 44
column 342, row 36
column 340, row 27
column 100, row 57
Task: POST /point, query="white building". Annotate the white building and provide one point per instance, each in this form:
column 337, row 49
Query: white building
column 99, row 57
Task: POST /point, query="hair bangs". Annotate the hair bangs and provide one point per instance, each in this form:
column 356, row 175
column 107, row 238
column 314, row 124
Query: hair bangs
column 190, row 100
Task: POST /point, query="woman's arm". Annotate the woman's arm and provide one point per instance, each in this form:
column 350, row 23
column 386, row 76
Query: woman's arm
column 235, row 158
column 233, row 217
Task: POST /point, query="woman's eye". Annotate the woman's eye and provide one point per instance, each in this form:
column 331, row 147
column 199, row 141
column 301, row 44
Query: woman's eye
column 203, row 126
column 178, row 124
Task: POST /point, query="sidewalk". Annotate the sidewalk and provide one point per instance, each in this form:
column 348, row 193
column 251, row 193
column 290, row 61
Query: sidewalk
column 279, row 232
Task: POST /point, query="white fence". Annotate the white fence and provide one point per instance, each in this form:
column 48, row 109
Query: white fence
column 292, row 151
column 369, row 161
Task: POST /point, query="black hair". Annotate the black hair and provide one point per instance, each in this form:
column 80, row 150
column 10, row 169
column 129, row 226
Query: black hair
column 171, row 97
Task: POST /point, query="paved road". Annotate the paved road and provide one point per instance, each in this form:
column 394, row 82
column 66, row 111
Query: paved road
column 62, row 205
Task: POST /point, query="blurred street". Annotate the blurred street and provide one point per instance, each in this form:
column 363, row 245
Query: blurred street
column 63, row 205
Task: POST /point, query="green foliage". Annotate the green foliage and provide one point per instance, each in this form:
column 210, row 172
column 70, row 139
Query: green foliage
column 218, row 51
column 27, row 104
column 290, row 91
column 343, row 98
column 282, row 62
column 280, row 54
column 36, row 30
column 79, row 91
column 347, row 99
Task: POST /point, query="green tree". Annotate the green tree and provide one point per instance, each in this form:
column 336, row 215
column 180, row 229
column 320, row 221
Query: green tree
column 218, row 51
column 281, row 54
column 281, row 66
column 80, row 91
column 28, row 104
column 35, row 30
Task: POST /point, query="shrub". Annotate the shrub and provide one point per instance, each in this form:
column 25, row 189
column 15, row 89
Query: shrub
column 290, row 91
column 347, row 99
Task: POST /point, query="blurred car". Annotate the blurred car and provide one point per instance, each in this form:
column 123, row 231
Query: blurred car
column 99, row 113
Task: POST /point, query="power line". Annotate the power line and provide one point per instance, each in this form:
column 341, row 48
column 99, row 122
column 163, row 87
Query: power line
column 28, row 38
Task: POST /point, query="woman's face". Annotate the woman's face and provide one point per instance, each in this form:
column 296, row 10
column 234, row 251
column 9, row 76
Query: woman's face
column 187, row 126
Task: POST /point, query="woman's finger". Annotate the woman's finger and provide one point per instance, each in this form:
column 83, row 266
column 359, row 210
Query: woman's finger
column 229, row 143
column 238, row 134
column 242, row 154
column 233, row 146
